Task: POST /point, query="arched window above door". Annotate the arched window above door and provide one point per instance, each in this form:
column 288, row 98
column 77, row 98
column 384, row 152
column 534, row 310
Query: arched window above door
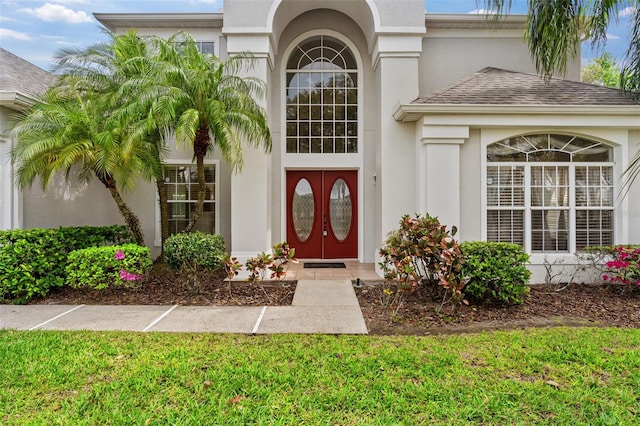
column 321, row 97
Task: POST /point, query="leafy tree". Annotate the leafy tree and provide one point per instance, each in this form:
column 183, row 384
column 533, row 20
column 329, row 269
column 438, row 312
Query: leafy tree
column 603, row 71
column 208, row 105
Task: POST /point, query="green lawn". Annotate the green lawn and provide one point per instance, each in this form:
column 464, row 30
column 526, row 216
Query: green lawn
column 548, row 376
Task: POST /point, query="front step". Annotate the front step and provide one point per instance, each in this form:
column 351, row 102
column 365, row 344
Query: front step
column 325, row 293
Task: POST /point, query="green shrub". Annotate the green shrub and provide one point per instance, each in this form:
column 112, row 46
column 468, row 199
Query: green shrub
column 33, row 261
column 496, row 272
column 194, row 250
column 107, row 266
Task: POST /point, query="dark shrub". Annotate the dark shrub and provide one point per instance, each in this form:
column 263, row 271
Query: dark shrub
column 496, row 272
column 194, row 250
column 33, row 261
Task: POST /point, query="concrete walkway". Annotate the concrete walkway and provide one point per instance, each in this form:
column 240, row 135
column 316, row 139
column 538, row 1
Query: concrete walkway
column 319, row 307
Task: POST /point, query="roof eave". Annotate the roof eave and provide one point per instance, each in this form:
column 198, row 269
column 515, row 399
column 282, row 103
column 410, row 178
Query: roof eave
column 154, row 20
column 413, row 112
column 16, row 101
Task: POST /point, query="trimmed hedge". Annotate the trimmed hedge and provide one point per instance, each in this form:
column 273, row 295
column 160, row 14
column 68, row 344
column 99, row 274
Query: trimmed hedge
column 108, row 266
column 195, row 249
column 33, row 261
column 497, row 272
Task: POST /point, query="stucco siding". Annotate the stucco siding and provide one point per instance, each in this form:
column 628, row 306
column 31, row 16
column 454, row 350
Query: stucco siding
column 633, row 197
column 471, row 188
column 445, row 60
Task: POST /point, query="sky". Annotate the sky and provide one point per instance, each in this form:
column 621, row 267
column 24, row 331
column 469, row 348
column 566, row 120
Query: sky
column 35, row 29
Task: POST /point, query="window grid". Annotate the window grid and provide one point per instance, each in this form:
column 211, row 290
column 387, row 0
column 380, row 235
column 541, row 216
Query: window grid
column 182, row 190
column 567, row 205
column 322, row 98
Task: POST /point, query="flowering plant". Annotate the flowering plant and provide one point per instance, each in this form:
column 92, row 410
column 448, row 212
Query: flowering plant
column 107, row 266
column 624, row 268
column 124, row 274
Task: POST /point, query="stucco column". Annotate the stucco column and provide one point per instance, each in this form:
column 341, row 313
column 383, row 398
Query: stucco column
column 438, row 156
column 251, row 188
column 397, row 72
column 10, row 197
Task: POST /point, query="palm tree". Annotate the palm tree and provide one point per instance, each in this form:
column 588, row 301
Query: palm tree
column 85, row 121
column 555, row 29
column 207, row 105
column 66, row 129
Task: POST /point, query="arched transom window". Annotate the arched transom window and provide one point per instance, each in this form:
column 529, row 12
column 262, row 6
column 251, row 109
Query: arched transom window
column 550, row 192
column 322, row 97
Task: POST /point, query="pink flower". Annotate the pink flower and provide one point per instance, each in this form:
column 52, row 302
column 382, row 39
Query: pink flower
column 127, row 276
column 119, row 255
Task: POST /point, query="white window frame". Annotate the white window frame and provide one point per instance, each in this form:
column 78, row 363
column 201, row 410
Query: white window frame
column 216, row 201
column 199, row 44
column 538, row 257
column 528, row 208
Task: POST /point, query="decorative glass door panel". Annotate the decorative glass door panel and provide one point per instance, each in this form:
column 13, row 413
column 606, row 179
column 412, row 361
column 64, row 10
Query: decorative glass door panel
column 322, row 212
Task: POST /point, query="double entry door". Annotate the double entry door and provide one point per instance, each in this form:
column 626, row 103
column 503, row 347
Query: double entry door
column 322, row 213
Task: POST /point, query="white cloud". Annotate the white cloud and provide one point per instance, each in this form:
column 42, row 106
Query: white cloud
column 481, row 12
column 6, row 33
column 627, row 12
column 612, row 37
column 50, row 12
column 7, row 19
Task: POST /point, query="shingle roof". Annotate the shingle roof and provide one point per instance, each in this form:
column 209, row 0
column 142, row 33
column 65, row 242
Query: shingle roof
column 18, row 75
column 501, row 87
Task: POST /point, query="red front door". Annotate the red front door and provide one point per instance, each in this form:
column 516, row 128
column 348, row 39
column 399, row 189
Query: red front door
column 322, row 213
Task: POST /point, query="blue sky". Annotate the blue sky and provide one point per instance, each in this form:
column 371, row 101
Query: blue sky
column 35, row 29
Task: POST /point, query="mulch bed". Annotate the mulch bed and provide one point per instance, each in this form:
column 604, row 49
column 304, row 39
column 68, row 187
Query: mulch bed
column 166, row 287
column 577, row 305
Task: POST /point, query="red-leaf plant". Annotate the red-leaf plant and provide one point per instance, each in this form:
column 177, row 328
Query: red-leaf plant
column 422, row 251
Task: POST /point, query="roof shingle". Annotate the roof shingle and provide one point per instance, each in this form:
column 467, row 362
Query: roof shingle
column 494, row 86
column 18, row 75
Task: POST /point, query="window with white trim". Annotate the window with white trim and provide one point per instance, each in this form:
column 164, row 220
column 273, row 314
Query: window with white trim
column 550, row 193
column 207, row 47
column 182, row 189
column 322, row 97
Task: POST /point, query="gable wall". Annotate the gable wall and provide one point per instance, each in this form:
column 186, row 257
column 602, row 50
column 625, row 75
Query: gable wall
column 450, row 55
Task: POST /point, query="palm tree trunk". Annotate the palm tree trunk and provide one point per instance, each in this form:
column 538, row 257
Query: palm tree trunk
column 164, row 213
column 200, row 146
column 129, row 216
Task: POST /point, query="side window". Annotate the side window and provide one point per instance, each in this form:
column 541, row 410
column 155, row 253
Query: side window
column 182, row 189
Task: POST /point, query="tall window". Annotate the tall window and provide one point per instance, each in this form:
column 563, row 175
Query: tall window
column 182, row 187
column 550, row 193
column 322, row 98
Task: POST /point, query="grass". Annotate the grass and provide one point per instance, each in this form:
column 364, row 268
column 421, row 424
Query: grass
column 548, row 376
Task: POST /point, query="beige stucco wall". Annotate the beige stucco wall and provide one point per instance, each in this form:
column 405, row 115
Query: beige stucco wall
column 633, row 197
column 471, row 188
column 450, row 55
column 6, row 190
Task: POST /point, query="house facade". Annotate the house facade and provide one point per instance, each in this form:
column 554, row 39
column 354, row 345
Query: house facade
column 378, row 109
